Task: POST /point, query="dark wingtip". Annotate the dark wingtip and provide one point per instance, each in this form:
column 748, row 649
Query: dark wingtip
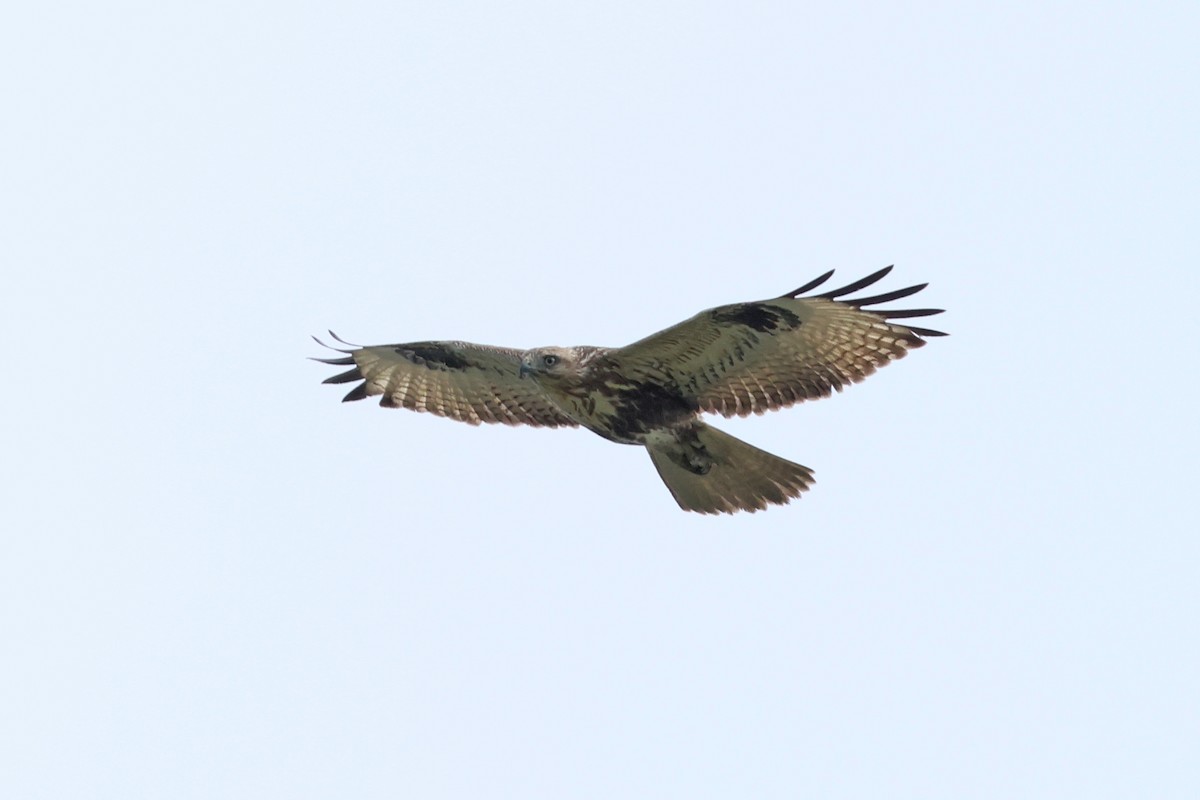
column 863, row 283
column 357, row 393
column 345, row 377
column 331, row 347
column 859, row 303
column 808, row 287
column 337, row 338
column 886, row 296
column 910, row 312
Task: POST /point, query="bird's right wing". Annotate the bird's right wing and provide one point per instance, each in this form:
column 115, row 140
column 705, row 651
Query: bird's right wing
column 471, row 383
column 754, row 357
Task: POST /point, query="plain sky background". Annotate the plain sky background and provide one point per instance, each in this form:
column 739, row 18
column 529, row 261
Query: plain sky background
column 218, row 582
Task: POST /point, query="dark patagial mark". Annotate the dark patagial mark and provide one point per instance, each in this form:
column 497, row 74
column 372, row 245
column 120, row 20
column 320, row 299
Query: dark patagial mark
column 644, row 407
column 433, row 357
column 757, row 316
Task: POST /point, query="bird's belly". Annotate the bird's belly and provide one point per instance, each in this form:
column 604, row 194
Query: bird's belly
column 627, row 414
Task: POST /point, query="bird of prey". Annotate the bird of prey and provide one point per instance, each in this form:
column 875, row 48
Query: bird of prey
column 731, row 360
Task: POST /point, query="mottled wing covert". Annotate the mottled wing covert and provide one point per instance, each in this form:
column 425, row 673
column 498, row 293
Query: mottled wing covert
column 468, row 382
column 755, row 357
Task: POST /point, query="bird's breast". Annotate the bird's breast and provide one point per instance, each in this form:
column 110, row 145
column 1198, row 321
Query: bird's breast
column 625, row 412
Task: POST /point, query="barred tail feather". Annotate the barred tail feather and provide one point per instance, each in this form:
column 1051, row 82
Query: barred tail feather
column 730, row 476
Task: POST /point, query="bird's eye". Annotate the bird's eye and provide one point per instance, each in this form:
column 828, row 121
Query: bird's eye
column 549, row 361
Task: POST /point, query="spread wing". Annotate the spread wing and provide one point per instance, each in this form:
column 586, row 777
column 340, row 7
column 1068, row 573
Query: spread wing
column 755, row 357
column 471, row 383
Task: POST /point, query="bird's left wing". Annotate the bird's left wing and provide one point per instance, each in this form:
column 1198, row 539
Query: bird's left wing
column 754, row 357
column 472, row 383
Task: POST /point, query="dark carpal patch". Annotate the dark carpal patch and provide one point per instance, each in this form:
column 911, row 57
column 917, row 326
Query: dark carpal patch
column 434, row 357
column 644, row 407
column 758, row 316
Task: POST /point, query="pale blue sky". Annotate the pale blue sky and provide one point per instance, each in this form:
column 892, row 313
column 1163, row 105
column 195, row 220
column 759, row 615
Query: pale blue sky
column 218, row 582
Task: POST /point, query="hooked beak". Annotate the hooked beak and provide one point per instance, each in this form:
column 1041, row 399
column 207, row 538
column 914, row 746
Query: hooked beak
column 525, row 369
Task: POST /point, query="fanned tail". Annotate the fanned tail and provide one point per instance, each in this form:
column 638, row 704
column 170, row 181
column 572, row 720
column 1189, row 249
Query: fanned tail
column 711, row 472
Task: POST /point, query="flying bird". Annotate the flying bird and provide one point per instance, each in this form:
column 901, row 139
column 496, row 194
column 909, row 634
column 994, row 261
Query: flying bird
column 732, row 360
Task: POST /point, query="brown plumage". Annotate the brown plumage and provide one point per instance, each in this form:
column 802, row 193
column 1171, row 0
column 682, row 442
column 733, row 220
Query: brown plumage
column 731, row 360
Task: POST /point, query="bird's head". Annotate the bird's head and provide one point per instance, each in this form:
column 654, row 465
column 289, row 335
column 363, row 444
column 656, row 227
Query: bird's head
column 547, row 363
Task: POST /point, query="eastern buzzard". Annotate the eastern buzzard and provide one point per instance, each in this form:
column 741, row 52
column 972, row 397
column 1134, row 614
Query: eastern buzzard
column 731, row 360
